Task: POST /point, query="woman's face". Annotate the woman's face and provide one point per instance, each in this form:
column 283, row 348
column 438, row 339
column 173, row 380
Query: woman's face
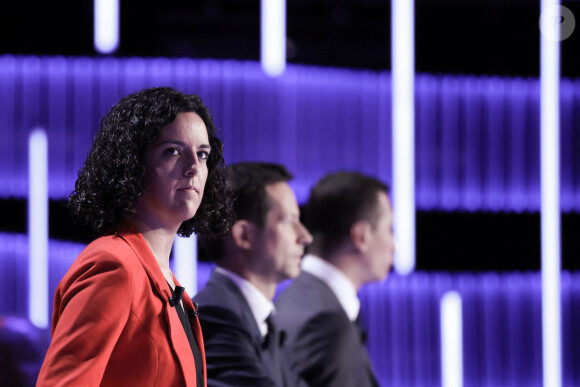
column 175, row 173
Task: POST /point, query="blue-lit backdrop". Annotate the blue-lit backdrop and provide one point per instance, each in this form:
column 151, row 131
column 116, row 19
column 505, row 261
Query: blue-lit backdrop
column 477, row 149
column 477, row 138
column 501, row 319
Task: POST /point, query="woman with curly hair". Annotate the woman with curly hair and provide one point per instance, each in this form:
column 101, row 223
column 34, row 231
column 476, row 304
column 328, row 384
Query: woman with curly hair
column 120, row 317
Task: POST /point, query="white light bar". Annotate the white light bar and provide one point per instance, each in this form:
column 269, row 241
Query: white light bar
column 403, row 127
column 451, row 341
column 273, row 36
column 185, row 262
column 550, row 178
column 38, row 228
column 106, row 26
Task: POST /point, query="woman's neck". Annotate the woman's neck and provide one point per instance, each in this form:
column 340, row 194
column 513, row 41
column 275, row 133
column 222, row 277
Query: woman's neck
column 160, row 241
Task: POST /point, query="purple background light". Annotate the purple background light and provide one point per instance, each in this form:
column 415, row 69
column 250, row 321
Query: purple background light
column 501, row 319
column 477, row 149
column 477, row 138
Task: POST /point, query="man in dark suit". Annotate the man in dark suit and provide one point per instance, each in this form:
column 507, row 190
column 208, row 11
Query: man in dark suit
column 264, row 248
column 350, row 217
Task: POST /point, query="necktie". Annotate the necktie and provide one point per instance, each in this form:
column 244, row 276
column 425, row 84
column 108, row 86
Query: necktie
column 363, row 333
column 271, row 346
column 270, row 338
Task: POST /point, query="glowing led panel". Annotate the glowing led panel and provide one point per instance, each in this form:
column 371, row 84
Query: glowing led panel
column 185, row 262
column 451, row 341
column 38, row 228
column 273, row 36
column 403, row 134
column 550, row 177
column 106, row 25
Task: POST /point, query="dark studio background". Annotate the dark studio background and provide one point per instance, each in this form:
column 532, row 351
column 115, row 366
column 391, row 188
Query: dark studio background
column 476, row 60
column 452, row 37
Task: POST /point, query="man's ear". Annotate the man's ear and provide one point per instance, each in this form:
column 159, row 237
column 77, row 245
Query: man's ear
column 360, row 235
column 242, row 233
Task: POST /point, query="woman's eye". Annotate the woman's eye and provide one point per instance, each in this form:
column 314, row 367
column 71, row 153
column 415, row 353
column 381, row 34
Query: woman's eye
column 172, row 151
column 202, row 155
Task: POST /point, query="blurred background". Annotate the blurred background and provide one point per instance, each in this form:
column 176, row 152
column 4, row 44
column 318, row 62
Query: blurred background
column 477, row 147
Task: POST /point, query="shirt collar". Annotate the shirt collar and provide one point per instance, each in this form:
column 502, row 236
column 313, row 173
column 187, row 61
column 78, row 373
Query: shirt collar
column 338, row 282
column 260, row 306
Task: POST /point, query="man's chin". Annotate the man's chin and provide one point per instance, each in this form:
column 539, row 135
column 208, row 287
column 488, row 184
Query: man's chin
column 390, row 270
column 291, row 274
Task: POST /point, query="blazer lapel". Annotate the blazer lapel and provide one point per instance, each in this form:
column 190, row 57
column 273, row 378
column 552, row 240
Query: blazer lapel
column 178, row 339
column 188, row 304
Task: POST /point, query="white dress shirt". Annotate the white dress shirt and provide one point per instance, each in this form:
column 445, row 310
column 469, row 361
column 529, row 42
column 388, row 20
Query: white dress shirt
column 339, row 283
column 260, row 306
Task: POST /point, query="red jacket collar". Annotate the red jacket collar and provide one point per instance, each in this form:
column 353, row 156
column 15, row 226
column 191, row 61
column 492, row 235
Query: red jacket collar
column 129, row 232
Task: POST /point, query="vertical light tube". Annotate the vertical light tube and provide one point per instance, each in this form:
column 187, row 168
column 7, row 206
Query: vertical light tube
column 550, row 178
column 185, row 257
column 403, row 127
column 38, row 228
column 451, row 341
column 106, row 26
column 273, row 36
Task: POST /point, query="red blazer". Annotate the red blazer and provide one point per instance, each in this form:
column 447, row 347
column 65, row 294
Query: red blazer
column 112, row 324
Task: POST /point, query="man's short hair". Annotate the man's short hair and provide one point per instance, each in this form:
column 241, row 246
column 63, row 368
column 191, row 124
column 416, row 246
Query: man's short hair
column 247, row 182
column 336, row 202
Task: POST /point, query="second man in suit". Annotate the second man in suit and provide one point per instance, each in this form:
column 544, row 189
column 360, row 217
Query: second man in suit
column 350, row 217
column 264, row 248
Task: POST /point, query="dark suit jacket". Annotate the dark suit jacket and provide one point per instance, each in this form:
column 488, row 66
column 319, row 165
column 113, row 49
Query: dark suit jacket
column 233, row 342
column 112, row 323
column 324, row 347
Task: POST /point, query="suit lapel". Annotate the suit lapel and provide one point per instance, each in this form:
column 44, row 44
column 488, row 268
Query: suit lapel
column 249, row 321
column 188, row 304
column 364, row 353
column 325, row 291
column 230, row 287
column 332, row 300
column 177, row 338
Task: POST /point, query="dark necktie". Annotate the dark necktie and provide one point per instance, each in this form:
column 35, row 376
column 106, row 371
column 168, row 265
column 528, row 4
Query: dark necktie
column 271, row 345
column 363, row 333
column 270, row 338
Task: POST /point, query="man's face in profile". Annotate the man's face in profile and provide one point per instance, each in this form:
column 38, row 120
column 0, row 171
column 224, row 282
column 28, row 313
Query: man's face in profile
column 379, row 258
column 279, row 245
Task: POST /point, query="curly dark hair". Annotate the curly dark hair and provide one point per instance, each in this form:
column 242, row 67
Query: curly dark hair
column 110, row 183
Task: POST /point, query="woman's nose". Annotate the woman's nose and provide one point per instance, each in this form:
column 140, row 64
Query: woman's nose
column 191, row 166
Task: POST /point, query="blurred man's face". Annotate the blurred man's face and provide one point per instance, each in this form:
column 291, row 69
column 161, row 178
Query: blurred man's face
column 382, row 245
column 279, row 246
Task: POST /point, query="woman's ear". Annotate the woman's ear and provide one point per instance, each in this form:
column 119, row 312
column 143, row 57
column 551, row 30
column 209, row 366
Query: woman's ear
column 242, row 234
column 360, row 235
